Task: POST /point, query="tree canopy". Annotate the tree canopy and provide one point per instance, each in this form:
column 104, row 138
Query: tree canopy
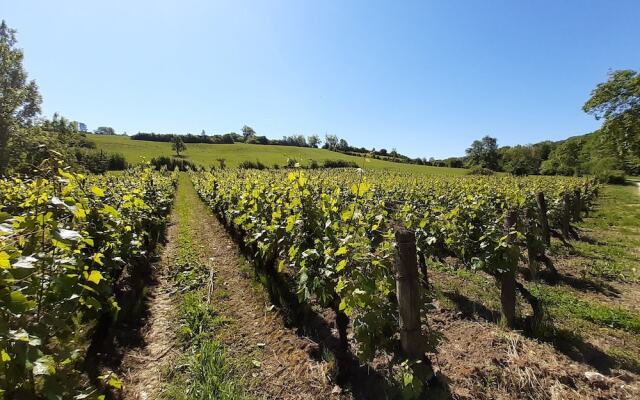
column 105, row 130
column 248, row 132
column 177, row 144
column 19, row 98
column 617, row 101
column 484, row 153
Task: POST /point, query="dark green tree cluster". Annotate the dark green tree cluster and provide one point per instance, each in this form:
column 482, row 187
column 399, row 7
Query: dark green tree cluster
column 617, row 103
column 59, row 124
column 484, row 153
column 104, row 130
column 19, row 97
column 610, row 152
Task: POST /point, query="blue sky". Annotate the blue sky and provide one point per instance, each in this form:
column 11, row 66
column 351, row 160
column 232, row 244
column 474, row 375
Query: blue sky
column 424, row 77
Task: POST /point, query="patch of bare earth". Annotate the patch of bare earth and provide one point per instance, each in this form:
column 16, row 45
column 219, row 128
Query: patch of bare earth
column 482, row 361
column 275, row 360
column 142, row 366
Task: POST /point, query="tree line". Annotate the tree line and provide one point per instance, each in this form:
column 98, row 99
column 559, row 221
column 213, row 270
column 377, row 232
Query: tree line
column 609, row 153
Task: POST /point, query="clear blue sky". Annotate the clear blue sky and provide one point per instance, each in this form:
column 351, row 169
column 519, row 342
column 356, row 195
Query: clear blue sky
column 424, row 77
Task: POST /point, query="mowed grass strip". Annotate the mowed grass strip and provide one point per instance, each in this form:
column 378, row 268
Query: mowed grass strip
column 204, row 371
column 207, row 155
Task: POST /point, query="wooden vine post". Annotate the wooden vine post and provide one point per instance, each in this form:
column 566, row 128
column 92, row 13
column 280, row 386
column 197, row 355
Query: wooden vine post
column 566, row 216
column 532, row 246
column 544, row 220
column 577, row 205
column 408, row 292
column 508, row 276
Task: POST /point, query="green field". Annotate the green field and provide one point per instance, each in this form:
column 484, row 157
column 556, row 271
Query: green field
column 206, row 155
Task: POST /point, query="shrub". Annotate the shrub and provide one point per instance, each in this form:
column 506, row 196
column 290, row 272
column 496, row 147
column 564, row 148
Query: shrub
column 339, row 164
column 480, row 171
column 616, row 177
column 117, row 162
column 314, row 164
column 172, row 163
column 252, row 165
column 98, row 161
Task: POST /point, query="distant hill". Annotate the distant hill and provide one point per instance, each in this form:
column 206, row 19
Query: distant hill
column 207, row 155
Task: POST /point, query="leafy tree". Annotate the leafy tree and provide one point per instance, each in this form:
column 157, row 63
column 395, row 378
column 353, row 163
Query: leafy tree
column 343, row 145
column 331, row 142
column 520, row 160
column 484, row 153
column 177, row 144
column 248, row 132
column 229, row 138
column 454, row 162
column 19, row 98
column 566, row 159
column 617, row 101
column 313, row 141
column 59, row 124
column 258, row 140
column 105, row 130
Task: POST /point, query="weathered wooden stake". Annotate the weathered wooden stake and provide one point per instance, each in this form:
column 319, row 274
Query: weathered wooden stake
column 577, row 206
column 508, row 277
column 542, row 216
column 566, row 216
column 408, row 292
column 532, row 255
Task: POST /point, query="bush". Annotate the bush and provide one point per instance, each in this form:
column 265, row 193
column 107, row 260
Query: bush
column 292, row 162
column 252, row 165
column 339, row 164
column 98, row 161
column 615, row 177
column 314, row 164
column 480, row 171
column 172, row 163
column 117, row 162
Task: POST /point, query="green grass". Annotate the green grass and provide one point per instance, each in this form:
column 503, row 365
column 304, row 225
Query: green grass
column 614, row 227
column 561, row 303
column 203, row 372
column 206, row 155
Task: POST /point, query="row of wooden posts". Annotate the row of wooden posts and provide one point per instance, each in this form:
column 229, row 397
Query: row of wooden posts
column 408, row 284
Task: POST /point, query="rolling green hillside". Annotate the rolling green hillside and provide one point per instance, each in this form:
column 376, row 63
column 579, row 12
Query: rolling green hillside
column 136, row 151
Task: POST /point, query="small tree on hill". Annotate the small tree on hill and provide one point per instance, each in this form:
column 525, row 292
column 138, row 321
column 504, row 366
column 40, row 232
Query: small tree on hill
column 248, row 132
column 105, row 130
column 313, row 140
column 177, row 144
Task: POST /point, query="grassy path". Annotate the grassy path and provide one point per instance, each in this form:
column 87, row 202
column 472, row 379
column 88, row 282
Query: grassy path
column 229, row 341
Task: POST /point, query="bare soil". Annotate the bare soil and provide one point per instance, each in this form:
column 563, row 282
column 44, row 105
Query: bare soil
column 142, row 366
column 482, row 361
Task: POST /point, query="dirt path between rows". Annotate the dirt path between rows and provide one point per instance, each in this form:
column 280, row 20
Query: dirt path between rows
column 276, row 361
column 142, row 367
column 270, row 360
